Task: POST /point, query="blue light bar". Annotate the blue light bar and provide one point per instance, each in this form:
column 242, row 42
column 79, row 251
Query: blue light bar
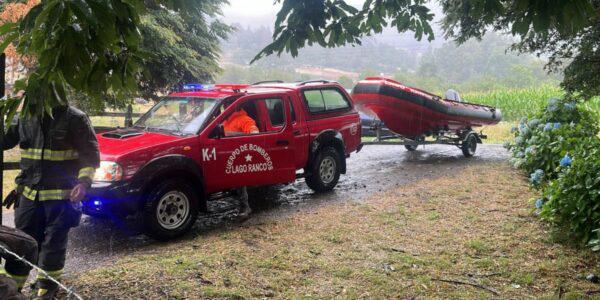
column 192, row 87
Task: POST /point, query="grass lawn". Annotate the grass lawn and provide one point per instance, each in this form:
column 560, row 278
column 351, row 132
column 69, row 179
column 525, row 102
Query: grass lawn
column 473, row 235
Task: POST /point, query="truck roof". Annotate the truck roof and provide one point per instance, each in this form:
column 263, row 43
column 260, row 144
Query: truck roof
column 226, row 90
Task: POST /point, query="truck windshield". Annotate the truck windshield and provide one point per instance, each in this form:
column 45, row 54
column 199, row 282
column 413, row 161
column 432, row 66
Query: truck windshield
column 184, row 115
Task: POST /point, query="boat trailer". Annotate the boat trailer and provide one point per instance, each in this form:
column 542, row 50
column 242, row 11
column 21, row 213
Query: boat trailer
column 466, row 140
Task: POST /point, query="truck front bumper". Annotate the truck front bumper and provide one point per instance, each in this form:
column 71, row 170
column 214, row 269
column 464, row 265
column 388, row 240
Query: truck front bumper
column 111, row 199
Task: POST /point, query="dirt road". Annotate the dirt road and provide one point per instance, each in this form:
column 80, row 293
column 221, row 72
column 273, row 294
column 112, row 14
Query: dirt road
column 97, row 242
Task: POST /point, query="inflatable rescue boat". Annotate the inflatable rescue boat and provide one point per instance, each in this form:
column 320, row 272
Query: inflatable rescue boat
column 412, row 112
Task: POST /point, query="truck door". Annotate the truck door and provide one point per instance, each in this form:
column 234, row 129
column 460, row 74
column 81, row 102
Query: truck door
column 250, row 159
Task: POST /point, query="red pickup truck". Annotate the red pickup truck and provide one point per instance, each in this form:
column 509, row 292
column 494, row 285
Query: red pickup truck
column 178, row 154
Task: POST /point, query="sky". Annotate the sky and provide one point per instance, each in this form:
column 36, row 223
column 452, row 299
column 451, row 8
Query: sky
column 256, row 13
column 260, row 13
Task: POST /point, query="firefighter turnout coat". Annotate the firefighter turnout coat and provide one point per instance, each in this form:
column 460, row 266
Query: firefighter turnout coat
column 57, row 152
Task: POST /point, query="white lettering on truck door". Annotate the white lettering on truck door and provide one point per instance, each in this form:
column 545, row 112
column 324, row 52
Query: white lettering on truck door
column 209, row 154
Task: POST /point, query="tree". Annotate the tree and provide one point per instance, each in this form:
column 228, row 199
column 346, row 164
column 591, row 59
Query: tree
column 181, row 49
column 12, row 12
column 564, row 28
column 94, row 47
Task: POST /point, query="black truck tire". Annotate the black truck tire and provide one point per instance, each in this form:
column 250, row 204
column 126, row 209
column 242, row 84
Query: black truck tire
column 325, row 170
column 171, row 209
column 469, row 145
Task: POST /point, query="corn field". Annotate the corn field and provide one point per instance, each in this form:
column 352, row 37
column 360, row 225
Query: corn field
column 516, row 103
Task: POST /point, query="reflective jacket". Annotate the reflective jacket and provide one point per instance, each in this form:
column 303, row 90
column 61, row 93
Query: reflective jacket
column 239, row 121
column 56, row 153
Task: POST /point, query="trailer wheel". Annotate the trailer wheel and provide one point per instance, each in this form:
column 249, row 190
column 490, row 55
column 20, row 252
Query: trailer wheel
column 411, row 148
column 171, row 210
column 469, row 145
column 325, row 170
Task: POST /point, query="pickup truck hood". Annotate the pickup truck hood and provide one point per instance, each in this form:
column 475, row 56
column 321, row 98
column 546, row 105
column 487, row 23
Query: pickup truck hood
column 123, row 141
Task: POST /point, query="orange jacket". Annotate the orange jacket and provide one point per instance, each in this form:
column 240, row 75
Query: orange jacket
column 239, row 121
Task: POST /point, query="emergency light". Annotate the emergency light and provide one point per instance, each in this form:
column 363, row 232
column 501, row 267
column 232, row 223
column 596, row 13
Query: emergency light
column 193, row 87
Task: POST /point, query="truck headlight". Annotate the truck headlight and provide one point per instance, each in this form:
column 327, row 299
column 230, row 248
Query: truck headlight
column 108, row 171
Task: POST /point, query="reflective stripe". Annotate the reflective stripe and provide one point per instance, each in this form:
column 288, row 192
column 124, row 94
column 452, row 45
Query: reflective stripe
column 53, row 155
column 54, row 274
column 45, row 195
column 20, row 279
column 87, row 172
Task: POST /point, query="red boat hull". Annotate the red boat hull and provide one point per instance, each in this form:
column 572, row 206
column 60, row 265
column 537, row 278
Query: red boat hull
column 412, row 112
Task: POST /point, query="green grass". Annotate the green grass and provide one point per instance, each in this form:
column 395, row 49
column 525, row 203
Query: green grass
column 394, row 245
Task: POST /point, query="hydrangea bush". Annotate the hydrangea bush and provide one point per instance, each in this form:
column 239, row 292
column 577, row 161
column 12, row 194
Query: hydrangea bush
column 573, row 198
column 559, row 148
column 544, row 138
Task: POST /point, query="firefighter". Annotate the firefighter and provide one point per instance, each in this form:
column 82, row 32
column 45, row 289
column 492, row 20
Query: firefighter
column 22, row 245
column 239, row 123
column 59, row 155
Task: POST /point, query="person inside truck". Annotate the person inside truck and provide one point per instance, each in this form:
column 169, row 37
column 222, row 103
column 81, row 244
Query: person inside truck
column 240, row 123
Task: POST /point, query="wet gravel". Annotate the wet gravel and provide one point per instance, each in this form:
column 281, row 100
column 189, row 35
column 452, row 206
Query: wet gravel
column 98, row 242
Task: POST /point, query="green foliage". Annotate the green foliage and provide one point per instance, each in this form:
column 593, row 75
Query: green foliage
column 514, row 102
column 548, row 135
column 93, row 47
column 564, row 31
column 560, row 148
column 334, row 23
column 182, row 48
column 573, row 199
column 252, row 74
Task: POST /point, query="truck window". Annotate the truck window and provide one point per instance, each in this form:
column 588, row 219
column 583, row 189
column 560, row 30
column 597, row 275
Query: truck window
column 314, row 100
column 275, row 110
column 323, row 100
column 334, row 100
column 245, row 119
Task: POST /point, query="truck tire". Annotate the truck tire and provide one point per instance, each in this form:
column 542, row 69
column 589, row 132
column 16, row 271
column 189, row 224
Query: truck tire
column 469, row 145
column 170, row 210
column 325, row 170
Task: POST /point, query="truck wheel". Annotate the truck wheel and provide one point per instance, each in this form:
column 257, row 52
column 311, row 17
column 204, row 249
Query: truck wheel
column 469, row 145
column 325, row 171
column 171, row 210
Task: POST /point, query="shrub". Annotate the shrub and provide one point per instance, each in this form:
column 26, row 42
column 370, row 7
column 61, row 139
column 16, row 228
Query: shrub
column 573, row 199
column 559, row 147
column 544, row 138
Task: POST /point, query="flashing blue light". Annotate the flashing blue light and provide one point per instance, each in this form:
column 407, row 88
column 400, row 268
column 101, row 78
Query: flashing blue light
column 192, row 87
column 97, row 202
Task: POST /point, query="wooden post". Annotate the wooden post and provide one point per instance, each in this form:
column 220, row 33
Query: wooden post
column 128, row 116
column 2, row 93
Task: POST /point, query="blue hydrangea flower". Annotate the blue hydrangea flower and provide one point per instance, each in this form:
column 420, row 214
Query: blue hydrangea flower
column 519, row 154
column 534, row 122
column 519, row 140
column 539, row 203
column 566, row 161
column 506, row 145
column 570, row 106
column 513, row 129
column 530, row 150
column 548, row 126
column 536, row 177
column 553, row 101
column 556, row 125
column 522, row 127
